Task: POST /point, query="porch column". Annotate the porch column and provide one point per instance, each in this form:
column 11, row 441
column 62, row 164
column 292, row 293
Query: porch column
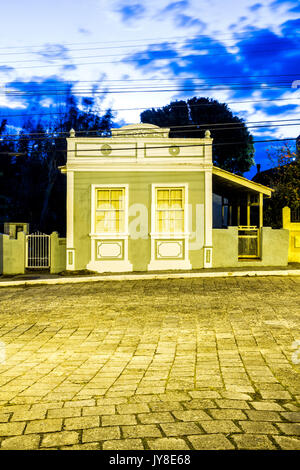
column 261, row 208
column 208, row 220
column 248, row 209
column 70, row 252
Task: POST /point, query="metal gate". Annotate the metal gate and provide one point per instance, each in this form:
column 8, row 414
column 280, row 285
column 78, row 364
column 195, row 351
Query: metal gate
column 38, row 251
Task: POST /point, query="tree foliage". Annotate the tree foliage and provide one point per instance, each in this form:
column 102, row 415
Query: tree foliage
column 284, row 178
column 32, row 187
column 233, row 144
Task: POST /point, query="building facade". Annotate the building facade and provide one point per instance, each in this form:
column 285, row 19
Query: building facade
column 141, row 201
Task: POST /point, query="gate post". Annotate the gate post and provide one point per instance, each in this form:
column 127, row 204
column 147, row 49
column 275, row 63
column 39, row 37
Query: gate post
column 57, row 253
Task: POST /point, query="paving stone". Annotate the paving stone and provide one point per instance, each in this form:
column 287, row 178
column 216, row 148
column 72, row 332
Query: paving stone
column 279, row 395
column 292, row 416
column 288, row 443
column 191, row 415
column 101, row 434
column 198, row 403
column 266, row 406
column 292, row 429
column 124, row 444
column 210, row 442
column 64, row 413
column 235, row 404
column 151, row 418
column 133, row 409
column 28, row 415
column 219, row 426
column 89, row 446
column 167, row 443
column 165, row 406
column 253, row 442
column 257, row 415
column 44, row 425
column 204, row 394
column 12, row 429
column 83, row 422
column 227, row 414
column 180, row 429
column 141, row 430
column 80, row 403
column 118, row 420
column 21, row 443
column 258, row 427
column 58, row 439
column 99, row 410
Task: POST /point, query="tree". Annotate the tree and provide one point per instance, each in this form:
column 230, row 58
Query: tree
column 34, row 187
column 233, row 144
column 284, row 178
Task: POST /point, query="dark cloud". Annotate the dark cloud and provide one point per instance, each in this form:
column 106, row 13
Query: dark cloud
column 84, row 31
column 292, row 28
column 287, row 3
column 274, row 110
column 261, row 53
column 5, row 68
column 187, row 21
column 175, row 6
column 52, row 52
column 69, row 67
column 295, row 9
column 131, row 12
column 255, row 7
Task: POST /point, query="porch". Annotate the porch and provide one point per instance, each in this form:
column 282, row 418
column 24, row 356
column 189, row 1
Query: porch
column 239, row 237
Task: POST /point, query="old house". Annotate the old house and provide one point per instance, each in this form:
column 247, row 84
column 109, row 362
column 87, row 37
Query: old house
column 141, row 201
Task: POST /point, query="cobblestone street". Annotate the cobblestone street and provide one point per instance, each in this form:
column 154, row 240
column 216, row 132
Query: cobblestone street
column 152, row 364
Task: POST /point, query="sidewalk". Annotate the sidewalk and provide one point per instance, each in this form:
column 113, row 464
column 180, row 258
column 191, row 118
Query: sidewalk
column 41, row 278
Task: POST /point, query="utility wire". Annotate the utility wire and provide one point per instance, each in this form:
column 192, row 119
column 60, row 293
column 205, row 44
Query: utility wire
column 243, row 34
column 152, row 107
column 181, row 128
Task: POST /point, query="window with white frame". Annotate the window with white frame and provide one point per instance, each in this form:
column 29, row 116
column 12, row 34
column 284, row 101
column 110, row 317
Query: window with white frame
column 169, row 210
column 110, row 210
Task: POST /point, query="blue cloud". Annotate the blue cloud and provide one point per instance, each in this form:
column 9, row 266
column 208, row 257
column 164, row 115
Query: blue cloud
column 287, row 3
column 52, row 52
column 84, row 31
column 131, row 11
column 255, row 7
column 174, row 6
column 187, row 21
column 295, row 9
column 5, row 68
column 69, row 67
column 274, row 110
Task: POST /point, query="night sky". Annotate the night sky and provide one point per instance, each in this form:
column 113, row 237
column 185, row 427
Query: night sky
column 130, row 56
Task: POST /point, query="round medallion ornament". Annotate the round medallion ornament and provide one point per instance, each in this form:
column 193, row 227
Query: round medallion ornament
column 106, row 149
column 174, row 150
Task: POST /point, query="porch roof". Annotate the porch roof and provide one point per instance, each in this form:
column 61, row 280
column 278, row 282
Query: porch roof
column 225, row 181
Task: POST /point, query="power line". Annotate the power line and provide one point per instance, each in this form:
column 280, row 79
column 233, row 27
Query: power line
column 153, row 107
column 207, row 77
column 177, row 129
column 155, row 90
column 243, row 34
column 170, row 146
column 188, row 49
column 188, row 43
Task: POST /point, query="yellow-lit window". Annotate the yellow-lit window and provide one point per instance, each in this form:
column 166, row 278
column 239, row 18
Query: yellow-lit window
column 110, row 210
column 169, row 213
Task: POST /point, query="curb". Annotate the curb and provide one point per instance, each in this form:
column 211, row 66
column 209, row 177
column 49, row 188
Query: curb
column 140, row 277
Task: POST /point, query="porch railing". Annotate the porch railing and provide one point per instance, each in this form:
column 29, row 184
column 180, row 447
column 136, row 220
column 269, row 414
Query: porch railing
column 248, row 242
